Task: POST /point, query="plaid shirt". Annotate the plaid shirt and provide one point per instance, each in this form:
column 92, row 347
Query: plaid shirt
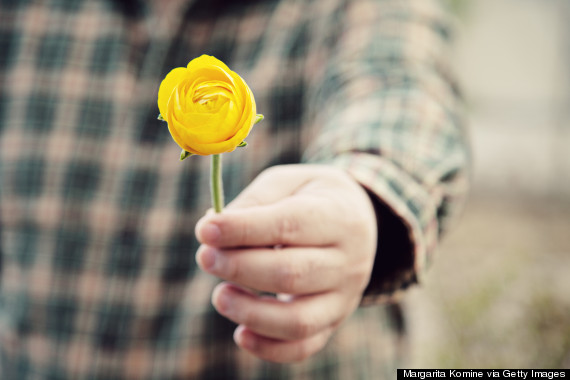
column 98, row 279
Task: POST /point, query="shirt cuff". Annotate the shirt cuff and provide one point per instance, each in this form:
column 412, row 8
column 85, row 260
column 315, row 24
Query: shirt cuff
column 407, row 223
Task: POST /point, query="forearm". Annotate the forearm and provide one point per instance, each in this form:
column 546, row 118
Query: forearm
column 390, row 115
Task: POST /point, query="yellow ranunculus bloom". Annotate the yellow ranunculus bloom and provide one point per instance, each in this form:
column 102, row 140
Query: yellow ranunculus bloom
column 209, row 108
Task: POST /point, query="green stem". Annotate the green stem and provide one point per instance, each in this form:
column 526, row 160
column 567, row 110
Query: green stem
column 216, row 187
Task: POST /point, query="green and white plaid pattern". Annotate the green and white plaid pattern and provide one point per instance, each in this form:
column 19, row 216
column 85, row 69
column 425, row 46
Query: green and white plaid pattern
column 98, row 279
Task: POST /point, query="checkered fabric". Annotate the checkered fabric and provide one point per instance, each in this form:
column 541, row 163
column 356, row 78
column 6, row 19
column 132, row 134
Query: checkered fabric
column 98, row 278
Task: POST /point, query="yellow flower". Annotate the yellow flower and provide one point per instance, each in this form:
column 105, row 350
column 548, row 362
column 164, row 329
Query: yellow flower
column 209, row 108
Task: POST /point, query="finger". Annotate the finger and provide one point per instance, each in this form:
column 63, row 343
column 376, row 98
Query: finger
column 297, row 220
column 288, row 270
column 277, row 350
column 300, row 318
column 283, row 181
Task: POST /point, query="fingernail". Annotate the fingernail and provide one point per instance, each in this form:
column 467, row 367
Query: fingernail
column 210, row 233
column 224, row 303
column 238, row 334
column 243, row 339
column 206, row 257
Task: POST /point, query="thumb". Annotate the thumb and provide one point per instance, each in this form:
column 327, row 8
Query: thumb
column 272, row 185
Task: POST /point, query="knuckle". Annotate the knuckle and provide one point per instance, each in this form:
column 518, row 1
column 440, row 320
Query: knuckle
column 249, row 318
column 270, row 173
column 245, row 233
column 354, row 226
column 287, row 229
column 232, row 269
column 301, row 327
column 289, row 278
column 245, row 200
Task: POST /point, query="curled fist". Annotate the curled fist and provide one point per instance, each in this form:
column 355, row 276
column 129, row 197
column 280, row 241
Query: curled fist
column 307, row 231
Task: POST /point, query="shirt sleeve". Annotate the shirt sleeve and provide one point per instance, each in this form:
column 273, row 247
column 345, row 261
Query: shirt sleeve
column 386, row 109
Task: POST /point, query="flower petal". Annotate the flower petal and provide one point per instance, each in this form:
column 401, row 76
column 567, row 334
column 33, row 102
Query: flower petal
column 209, row 108
column 172, row 79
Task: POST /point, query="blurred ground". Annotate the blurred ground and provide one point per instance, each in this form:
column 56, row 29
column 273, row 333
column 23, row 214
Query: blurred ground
column 498, row 295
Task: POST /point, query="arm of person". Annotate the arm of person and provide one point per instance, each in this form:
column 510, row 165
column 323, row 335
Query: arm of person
column 388, row 112
column 388, row 139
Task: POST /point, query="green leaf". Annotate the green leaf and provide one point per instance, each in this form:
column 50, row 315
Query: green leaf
column 242, row 144
column 184, row 154
column 160, row 117
column 258, row 118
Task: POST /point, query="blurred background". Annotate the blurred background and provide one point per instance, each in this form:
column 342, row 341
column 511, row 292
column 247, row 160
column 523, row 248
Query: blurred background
column 498, row 294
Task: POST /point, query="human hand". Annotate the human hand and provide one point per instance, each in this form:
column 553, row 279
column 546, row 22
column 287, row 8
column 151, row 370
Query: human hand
column 308, row 231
